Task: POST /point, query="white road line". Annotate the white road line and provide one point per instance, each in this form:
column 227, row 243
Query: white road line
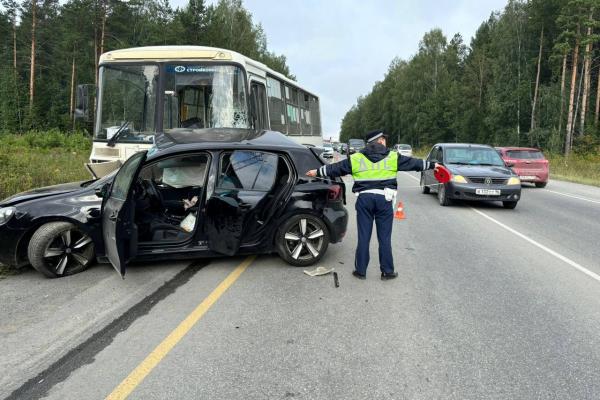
column 573, row 196
column 572, row 263
column 414, row 177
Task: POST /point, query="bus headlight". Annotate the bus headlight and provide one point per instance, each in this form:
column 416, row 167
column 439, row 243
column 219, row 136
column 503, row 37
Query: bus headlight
column 513, row 181
column 458, row 179
column 6, row 213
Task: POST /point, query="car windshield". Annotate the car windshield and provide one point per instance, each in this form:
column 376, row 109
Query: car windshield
column 205, row 96
column 356, row 142
column 127, row 102
column 525, row 154
column 472, row 156
column 404, row 147
column 327, row 145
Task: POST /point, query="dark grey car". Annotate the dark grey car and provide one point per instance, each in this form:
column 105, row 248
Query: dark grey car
column 478, row 173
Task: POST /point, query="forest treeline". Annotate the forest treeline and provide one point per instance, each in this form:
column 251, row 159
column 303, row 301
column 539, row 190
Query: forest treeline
column 530, row 76
column 47, row 47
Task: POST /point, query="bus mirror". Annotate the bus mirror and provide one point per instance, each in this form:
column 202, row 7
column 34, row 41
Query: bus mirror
column 83, row 100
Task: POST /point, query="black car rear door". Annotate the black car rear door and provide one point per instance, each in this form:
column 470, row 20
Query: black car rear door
column 243, row 182
column 118, row 228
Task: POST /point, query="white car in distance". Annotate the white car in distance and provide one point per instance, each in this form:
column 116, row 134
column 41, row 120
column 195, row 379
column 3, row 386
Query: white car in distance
column 404, row 149
column 327, row 150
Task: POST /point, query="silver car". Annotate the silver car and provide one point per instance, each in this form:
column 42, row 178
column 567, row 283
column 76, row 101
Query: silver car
column 404, row 149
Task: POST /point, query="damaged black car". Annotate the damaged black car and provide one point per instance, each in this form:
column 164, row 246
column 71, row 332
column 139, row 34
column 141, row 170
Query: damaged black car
column 230, row 192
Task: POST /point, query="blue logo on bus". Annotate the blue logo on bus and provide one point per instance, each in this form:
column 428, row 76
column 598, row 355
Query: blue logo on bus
column 179, row 68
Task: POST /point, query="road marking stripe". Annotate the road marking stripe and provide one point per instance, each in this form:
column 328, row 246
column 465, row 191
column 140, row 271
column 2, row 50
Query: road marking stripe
column 145, row 367
column 572, row 263
column 574, row 196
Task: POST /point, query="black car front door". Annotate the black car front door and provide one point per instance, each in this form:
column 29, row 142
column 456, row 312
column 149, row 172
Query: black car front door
column 118, row 228
column 244, row 180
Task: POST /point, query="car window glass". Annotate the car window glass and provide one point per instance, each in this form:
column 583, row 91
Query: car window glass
column 248, row 170
column 525, row 154
column 178, row 172
column 440, row 155
column 122, row 182
column 473, row 155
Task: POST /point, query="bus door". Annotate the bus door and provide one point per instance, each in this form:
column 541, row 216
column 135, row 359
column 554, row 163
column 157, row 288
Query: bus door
column 259, row 96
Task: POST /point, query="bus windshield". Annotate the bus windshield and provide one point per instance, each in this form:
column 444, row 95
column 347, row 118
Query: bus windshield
column 205, row 96
column 127, row 102
column 195, row 97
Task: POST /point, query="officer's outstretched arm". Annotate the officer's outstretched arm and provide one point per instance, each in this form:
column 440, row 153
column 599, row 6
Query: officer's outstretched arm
column 334, row 170
column 413, row 164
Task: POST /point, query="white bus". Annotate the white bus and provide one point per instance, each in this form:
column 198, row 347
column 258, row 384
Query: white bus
column 150, row 90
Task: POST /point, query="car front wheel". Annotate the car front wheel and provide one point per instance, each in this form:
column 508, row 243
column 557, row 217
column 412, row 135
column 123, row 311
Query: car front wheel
column 424, row 189
column 59, row 249
column 443, row 196
column 541, row 184
column 302, row 240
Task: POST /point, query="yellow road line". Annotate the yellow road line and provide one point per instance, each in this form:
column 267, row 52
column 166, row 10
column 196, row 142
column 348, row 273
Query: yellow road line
column 146, row 366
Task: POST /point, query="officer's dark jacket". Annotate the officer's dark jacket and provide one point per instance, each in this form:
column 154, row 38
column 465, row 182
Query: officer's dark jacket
column 374, row 152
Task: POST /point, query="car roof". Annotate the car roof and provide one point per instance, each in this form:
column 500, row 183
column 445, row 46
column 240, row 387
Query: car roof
column 518, row 148
column 181, row 140
column 482, row 146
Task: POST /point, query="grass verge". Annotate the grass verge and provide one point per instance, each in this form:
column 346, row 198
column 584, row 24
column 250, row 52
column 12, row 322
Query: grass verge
column 39, row 159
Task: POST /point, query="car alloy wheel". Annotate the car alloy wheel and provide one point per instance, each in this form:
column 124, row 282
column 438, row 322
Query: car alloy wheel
column 303, row 240
column 59, row 249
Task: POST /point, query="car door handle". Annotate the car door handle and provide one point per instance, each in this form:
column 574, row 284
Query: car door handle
column 245, row 205
column 113, row 217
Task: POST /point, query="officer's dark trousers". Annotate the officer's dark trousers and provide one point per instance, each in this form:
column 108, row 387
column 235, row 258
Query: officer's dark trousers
column 369, row 207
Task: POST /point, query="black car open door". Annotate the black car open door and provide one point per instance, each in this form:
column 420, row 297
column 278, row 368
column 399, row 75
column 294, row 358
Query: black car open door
column 118, row 227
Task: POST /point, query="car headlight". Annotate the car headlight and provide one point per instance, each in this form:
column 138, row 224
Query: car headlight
column 6, row 213
column 513, row 181
column 458, row 179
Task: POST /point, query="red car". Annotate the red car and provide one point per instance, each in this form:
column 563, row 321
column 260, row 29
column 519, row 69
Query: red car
column 527, row 162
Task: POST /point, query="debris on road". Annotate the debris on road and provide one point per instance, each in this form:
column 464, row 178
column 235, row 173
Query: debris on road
column 319, row 271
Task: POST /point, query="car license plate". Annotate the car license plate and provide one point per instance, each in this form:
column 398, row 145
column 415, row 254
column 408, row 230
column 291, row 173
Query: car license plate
column 527, row 177
column 488, row 192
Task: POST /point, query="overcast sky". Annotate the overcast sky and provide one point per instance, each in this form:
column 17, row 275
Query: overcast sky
column 339, row 48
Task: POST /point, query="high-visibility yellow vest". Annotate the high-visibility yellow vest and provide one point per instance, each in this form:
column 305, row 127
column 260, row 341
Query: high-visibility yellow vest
column 365, row 170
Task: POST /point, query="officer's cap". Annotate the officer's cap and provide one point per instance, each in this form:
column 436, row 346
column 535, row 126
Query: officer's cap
column 374, row 135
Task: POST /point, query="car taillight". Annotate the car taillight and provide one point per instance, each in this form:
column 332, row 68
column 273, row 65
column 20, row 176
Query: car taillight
column 334, row 193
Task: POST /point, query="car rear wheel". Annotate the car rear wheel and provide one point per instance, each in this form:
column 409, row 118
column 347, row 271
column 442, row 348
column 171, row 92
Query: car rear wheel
column 59, row 249
column 509, row 204
column 424, row 189
column 302, row 240
column 442, row 196
column 541, row 184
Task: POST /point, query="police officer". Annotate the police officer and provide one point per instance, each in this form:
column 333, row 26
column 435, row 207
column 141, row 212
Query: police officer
column 374, row 171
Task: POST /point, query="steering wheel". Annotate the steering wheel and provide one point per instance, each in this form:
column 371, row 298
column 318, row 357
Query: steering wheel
column 153, row 193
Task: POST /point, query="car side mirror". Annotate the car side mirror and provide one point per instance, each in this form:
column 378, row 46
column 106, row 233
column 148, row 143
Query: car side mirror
column 83, row 101
column 102, row 191
column 509, row 164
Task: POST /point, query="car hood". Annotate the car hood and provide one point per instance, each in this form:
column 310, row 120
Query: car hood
column 41, row 192
column 479, row 170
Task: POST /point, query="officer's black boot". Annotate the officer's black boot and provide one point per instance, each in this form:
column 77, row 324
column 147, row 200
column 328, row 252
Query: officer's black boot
column 385, row 276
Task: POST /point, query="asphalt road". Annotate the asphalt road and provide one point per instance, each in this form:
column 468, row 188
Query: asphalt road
column 490, row 304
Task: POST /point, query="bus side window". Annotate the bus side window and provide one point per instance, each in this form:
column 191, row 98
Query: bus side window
column 259, row 95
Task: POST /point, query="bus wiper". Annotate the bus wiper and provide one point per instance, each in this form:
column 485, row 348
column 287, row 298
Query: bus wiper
column 113, row 140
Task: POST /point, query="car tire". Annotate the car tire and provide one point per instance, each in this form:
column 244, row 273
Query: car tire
column 59, row 249
column 424, row 189
column 509, row 204
column 297, row 231
column 442, row 197
column 541, row 184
